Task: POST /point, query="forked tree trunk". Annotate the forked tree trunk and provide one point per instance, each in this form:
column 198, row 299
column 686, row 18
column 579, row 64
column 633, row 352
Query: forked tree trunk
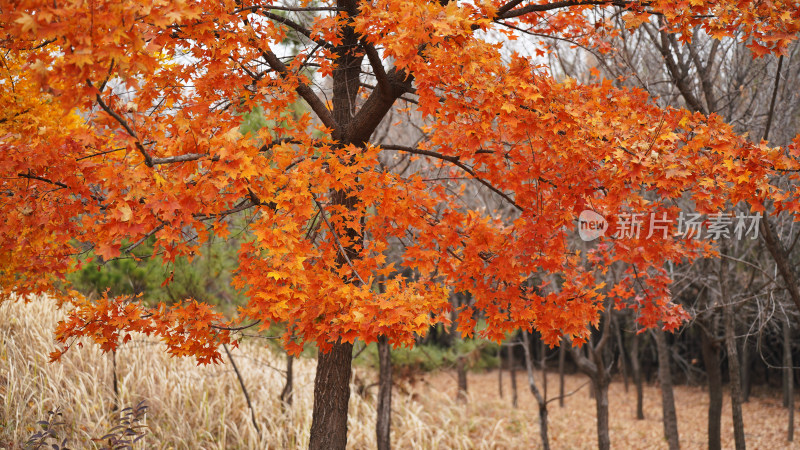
column 670, row 417
column 595, row 368
column 331, row 395
column 636, row 368
column 711, row 361
column 384, row 422
column 540, row 399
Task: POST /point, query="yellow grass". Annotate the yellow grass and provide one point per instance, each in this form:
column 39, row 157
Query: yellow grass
column 202, row 407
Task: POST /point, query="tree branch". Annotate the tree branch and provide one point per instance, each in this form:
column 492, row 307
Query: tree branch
column 774, row 97
column 377, row 67
column 455, row 161
column 295, row 26
column 303, row 90
column 36, row 177
column 557, row 5
column 148, row 160
column 336, row 238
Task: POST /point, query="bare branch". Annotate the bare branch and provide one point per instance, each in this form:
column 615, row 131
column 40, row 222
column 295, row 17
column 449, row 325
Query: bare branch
column 308, row 95
column 336, row 238
column 558, row 5
column 36, row 177
column 455, row 161
column 148, row 160
column 377, row 67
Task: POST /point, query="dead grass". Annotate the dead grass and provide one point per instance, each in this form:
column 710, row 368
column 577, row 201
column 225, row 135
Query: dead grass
column 573, row 426
column 195, row 407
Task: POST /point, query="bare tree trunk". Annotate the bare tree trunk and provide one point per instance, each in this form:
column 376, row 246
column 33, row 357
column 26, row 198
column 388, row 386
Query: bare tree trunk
column 461, row 369
column 785, row 388
column 512, row 373
column 600, row 384
column 543, row 366
column 670, row 417
column 287, row 393
column 500, row 370
column 621, row 357
column 788, row 373
column 383, row 426
column 595, row 368
column 746, row 378
column 331, row 395
column 712, row 363
column 562, row 354
column 541, row 400
column 733, row 370
column 114, row 379
column 636, row 368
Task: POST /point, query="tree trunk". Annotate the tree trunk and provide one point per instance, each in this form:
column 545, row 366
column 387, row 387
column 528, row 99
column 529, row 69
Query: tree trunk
column 384, row 422
column 788, row 373
column 286, row 393
column 734, row 371
column 670, row 417
column 746, row 376
column 621, row 357
column 540, row 400
column 512, row 373
column 543, row 366
column 114, row 380
column 331, row 395
column 784, row 386
column 562, row 354
column 500, row 370
column 636, row 368
column 461, row 369
column 595, row 368
column 712, row 363
column 600, row 385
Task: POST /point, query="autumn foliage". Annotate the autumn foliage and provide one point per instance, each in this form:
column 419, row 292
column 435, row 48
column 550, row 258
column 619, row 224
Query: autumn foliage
column 121, row 123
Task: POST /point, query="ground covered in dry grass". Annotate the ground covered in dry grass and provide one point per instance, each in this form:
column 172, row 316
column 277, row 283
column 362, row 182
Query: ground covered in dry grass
column 195, row 407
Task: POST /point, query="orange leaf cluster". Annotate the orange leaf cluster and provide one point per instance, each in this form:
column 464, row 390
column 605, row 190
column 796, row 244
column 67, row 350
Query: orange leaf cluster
column 121, row 124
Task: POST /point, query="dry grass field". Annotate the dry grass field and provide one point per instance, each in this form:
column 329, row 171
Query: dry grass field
column 194, row 407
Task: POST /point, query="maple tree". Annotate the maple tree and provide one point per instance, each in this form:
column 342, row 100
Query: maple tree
column 123, row 125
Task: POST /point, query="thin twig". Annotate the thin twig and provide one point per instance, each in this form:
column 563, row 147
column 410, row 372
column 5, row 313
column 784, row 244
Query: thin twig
column 774, row 97
column 455, row 160
column 244, row 389
column 336, row 238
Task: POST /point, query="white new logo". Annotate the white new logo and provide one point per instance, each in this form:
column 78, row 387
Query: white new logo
column 591, row 225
